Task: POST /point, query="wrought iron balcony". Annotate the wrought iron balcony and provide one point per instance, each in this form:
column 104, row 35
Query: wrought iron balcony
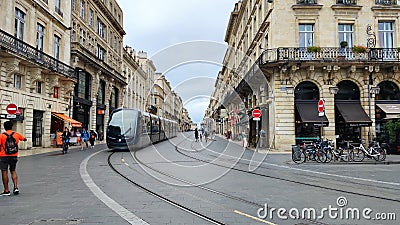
column 28, row 52
column 347, row 2
column 386, row 2
column 306, row 2
column 329, row 55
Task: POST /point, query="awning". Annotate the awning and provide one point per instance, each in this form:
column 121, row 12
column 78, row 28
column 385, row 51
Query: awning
column 308, row 112
column 353, row 114
column 67, row 119
column 392, row 110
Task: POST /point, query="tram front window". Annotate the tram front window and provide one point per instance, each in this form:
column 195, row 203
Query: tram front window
column 123, row 124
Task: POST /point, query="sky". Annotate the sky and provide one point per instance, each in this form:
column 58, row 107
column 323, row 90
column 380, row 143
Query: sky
column 185, row 39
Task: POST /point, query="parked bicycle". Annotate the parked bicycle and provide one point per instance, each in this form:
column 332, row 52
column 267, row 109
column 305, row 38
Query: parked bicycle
column 341, row 153
column 373, row 151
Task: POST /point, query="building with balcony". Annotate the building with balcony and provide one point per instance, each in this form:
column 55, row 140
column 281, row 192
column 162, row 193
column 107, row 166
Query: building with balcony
column 285, row 56
column 34, row 59
column 97, row 55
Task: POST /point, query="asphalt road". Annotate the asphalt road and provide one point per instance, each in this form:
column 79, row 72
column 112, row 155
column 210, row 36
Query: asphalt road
column 198, row 183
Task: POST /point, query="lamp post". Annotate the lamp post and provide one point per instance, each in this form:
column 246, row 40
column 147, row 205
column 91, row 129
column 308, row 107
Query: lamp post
column 373, row 90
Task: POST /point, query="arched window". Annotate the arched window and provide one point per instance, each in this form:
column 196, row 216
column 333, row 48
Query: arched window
column 348, row 90
column 306, row 91
column 388, row 91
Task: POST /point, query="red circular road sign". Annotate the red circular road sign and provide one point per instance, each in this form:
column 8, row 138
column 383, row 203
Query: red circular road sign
column 12, row 108
column 321, row 106
column 256, row 113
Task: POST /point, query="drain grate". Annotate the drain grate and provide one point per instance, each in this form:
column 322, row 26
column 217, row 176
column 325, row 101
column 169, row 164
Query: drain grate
column 57, row 222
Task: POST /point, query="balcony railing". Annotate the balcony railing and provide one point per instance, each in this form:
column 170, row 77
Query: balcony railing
column 28, row 52
column 306, row 2
column 386, row 2
column 330, row 55
column 347, row 2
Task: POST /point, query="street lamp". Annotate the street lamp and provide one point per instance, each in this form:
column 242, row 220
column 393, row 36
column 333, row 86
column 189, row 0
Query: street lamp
column 334, row 90
column 373, row 90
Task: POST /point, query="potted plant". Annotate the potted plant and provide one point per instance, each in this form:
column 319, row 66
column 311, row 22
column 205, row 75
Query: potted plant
column 313, row 49
column 398, row 49
column 359, row 49
column 343, row 44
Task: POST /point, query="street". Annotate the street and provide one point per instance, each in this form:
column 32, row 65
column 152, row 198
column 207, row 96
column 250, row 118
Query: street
column 184, row 182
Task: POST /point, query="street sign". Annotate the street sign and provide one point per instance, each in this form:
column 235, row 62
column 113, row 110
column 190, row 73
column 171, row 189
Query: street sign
column 256, row 119
column 12, row 109
column 256, row 113
column 321, row 106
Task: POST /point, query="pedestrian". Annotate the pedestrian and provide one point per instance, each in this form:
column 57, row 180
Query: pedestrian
column 9, row 157
column 92, row 138
column 262, row 139
column 85, row 138
column 66, row 135
column 196, row 135
column 206, row 134
column 201, row 137
column 244, row 140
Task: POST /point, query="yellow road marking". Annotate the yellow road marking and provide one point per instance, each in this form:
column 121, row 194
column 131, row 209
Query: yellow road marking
column 253, row 217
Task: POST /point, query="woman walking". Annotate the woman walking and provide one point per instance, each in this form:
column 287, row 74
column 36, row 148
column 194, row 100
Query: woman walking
column 92, row 138
column 196, row 135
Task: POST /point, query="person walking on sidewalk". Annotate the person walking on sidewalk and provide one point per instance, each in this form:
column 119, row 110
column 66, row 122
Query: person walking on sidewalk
column 9, row 156
column 244, row 140
column 85, row 138
column 196, row 135
column 92, row 138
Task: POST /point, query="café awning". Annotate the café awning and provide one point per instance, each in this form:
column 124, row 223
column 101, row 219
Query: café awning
column 353, row 114
column 67, row 119
column 392, row 111
column 308, row 112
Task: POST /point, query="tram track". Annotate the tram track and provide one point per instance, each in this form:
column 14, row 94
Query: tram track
column 160, row 197
column 278, row 178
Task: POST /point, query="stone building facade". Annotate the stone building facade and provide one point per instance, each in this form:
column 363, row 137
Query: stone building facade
column 97, row 56
column 137, row 89
column 285, row 56
column 34, row 71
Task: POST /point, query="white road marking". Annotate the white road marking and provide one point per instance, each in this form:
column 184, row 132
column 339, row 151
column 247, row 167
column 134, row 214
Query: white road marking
column 253, row 217
column 109, row 202
column 316, row 172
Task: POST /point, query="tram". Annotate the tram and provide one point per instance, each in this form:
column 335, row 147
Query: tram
column 134, row 129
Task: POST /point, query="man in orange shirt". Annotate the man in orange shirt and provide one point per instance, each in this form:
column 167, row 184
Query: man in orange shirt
column 9, row 161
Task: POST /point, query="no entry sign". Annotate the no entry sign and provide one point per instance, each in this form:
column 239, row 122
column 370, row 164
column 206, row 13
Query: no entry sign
column 256, row 113
column 12, row 108
column 321, row 106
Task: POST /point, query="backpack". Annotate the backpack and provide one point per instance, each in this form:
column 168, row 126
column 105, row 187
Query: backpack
column 11, row 146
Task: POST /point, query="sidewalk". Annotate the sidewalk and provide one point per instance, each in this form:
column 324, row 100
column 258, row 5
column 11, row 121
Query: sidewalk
column 262, row 150
column 35, row 151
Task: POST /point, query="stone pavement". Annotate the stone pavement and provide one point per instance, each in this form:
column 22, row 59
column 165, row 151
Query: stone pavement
column 35, row 151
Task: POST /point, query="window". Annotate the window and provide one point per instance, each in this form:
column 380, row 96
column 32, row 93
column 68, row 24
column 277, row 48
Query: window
column 101, row 93
column 90, row 17
column 386, row 34
column 58, row 7
column 17, row 81
column 19, row 24
column 57, row 42
column 101, row 28
column 40, row 37
column 39, row 87
column 100, row 53
column 84, row 85
column 306, row 35
column 346, row 34
column 82, row 11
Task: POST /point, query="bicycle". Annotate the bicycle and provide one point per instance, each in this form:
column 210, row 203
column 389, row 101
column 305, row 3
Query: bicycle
column 65, row 146
column 334, row 154
column 374, row 151
column 314, row 152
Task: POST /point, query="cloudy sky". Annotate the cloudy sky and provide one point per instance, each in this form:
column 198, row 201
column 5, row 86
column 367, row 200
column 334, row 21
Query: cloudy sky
column 185, row 39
